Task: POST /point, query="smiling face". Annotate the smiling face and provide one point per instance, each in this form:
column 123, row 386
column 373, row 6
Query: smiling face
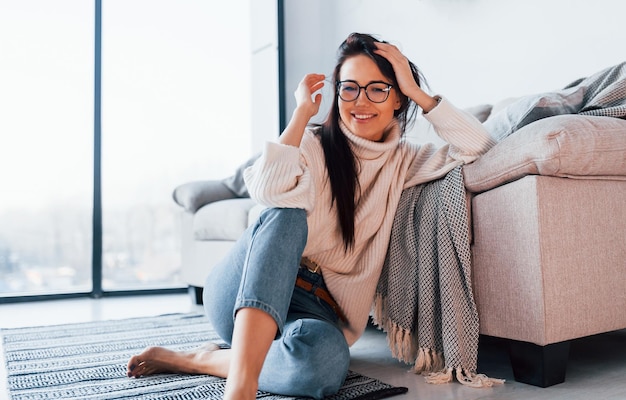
column 364, row 118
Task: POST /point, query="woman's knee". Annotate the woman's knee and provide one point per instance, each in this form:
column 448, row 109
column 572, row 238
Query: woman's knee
column 311, row 359
column 328, row 357
column 330, row 360
column 291, row 222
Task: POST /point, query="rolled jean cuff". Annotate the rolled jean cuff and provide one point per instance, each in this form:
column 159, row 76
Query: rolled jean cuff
column 259, row 305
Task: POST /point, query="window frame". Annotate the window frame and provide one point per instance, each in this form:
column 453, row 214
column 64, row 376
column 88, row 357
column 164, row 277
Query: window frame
column 97, row 290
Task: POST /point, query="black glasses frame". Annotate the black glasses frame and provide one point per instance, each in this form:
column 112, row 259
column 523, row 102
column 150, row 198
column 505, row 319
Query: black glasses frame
column 364, row 88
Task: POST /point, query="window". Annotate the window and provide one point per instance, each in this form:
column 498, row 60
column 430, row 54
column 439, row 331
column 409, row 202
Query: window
column 175, row 107
column 46, row 146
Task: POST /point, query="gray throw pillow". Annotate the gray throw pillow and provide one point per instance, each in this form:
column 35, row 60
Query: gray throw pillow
column 532, row 108
column 235, row 182
column 601, row 94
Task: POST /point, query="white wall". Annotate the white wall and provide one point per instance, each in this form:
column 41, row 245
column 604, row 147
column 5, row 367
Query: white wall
column 472, row 51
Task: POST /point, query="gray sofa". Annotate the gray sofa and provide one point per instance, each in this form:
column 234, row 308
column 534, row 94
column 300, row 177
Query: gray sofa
column 548, row 221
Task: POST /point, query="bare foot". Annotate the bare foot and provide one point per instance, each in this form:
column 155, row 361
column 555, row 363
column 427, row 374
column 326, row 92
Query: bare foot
column 158, row 360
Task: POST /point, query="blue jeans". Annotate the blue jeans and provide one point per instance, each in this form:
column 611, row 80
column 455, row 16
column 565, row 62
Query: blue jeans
column 310, row 356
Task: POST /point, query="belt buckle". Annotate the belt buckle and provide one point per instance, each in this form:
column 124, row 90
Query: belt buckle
column 310, row 265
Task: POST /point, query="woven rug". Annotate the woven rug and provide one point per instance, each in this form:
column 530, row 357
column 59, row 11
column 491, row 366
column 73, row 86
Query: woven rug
column 87, row 361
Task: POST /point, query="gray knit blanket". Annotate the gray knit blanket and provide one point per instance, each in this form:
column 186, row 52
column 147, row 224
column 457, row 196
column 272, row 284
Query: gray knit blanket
column 424, row 298
column 601, row 94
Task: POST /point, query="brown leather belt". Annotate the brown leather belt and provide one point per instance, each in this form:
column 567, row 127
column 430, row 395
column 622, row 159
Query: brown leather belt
column 323, row 294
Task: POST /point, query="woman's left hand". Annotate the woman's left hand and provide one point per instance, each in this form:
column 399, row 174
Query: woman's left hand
column 404, row 76
column 400, row 65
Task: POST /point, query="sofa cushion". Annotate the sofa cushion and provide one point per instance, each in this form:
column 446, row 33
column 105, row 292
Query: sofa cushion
column 235, row 182
column 573, row 146
column 193, row 195
column 222, row 220
column 255, row 213
column 481, row 111
column 524, row 110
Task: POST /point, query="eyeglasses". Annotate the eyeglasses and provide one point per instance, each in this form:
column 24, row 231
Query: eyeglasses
column 376, row 92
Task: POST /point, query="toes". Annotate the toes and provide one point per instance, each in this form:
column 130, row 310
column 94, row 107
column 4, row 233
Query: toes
column 132, row 364
column 138, row 370
column 135, row 367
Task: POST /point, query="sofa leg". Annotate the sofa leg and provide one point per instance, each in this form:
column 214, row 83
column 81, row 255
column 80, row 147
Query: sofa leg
column 196, row 294
column 541, row 366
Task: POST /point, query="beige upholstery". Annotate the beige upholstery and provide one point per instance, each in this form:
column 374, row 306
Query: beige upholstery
column 549, row 260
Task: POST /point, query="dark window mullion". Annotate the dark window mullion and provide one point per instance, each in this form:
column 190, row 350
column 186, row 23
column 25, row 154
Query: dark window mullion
column 96, row 263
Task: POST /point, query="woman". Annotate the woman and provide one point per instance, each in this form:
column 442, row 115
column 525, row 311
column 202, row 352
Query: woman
column 297, row 289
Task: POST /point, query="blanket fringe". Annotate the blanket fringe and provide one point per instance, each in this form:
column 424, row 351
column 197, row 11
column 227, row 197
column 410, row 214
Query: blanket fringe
column 427, row 362
column 472, row 379
column 402, row 343
column 464, row 377
column 440, row 377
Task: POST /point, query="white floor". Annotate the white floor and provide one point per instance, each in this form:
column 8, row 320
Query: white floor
column 597, row 367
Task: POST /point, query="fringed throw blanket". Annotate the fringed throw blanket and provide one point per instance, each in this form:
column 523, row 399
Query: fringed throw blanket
column 424, row 298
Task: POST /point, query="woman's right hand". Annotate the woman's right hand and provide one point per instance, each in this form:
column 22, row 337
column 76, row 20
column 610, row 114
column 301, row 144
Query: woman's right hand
column 305, row 101
column 307, row 106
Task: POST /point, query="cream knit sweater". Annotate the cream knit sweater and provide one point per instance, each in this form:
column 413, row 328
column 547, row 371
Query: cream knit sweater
column 292, row 177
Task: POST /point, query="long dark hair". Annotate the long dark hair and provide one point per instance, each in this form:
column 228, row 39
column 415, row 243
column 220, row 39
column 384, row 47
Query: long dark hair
column 342, row 165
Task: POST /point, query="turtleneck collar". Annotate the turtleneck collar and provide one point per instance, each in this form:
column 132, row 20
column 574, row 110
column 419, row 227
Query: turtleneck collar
column 367, row 149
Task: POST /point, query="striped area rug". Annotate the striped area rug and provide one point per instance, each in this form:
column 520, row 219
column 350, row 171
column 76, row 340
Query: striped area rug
column 87, row 361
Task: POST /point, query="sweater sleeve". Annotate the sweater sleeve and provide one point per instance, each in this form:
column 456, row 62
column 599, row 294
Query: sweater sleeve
column 467, row 137
column 280, row 178
column 467, row 140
